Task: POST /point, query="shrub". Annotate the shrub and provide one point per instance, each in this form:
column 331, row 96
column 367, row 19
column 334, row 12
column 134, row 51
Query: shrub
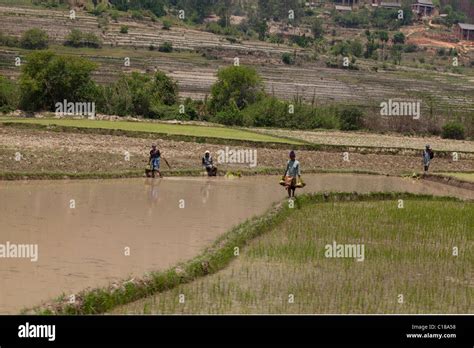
column 398, row 38
column 351, row 118
column 76, row 38
column 272, row 112
column 317, row 28
column 166, row 24
column 34, row 39
column 8, row 95
column 231, row 116
column 124, row 29
column 453, row 130
column 166, row 47
column 137, row 14
column 287, row 58
column 7, row 40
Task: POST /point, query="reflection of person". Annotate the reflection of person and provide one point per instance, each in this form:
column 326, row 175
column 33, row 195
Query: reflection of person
column 291, row 172
column 208, row 164
column 428, row 155
column 205, row 192
column 153, row 194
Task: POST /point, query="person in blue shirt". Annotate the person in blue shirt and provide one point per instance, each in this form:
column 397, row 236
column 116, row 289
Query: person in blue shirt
column 292, row 171
column 155, row 158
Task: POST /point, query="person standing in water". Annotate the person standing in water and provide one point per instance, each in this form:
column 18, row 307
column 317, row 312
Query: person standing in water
column 428, row 155
column 291, row 172
column 155, row 158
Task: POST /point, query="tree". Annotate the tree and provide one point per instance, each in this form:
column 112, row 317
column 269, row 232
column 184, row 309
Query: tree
column 34, row 39
column 48, row 78
column 371, row 46
column 383, row 37
column 236, row 84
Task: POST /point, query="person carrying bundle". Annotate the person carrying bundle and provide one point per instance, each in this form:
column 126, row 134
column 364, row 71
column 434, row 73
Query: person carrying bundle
column 208, row 164
column 292, row 173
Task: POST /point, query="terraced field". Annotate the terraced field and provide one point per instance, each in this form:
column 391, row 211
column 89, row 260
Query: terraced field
column 372, row 140
column 310, row 80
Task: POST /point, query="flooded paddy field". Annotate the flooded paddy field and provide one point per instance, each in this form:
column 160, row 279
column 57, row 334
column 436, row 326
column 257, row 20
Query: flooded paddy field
column 92, row 233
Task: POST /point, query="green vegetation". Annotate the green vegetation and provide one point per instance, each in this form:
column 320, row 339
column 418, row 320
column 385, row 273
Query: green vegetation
column 159, row 128
column 124, row 29
column 271, row 112
column 34, row 39
column 139, row 94
column 351, row 119
column 166, row 47
column 8, row 95
column 76, row 38
column 7, row 40
column 48, row 79
column 236, row 86
column 288, row 58
column 379, row 18
column 453, row 130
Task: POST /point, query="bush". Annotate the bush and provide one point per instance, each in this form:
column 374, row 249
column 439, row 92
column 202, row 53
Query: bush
column 8, row 95
column 166, row 47
column 351, row 118
column 166, row 24
column 137, row 14
column 287, row 58
column 272, row 112
column 453, row 130
column 398, row 38
column 317, row 28
column 231, row 116
column 34, row 39
column 76, row 38
column 239, row 84
column 7, row 40
column 124, row 29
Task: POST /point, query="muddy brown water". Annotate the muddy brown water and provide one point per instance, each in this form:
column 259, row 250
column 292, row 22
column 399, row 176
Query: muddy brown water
column 85, row 246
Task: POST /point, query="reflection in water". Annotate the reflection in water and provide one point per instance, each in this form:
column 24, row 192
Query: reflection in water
column 84, row 247
column 205, row 189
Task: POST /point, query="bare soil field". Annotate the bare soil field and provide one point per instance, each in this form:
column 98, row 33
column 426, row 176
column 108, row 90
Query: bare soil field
column 371, row 139
column 44, row 151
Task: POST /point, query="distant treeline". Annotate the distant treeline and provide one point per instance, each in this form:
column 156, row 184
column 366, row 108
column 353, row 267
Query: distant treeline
column 465, row 6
